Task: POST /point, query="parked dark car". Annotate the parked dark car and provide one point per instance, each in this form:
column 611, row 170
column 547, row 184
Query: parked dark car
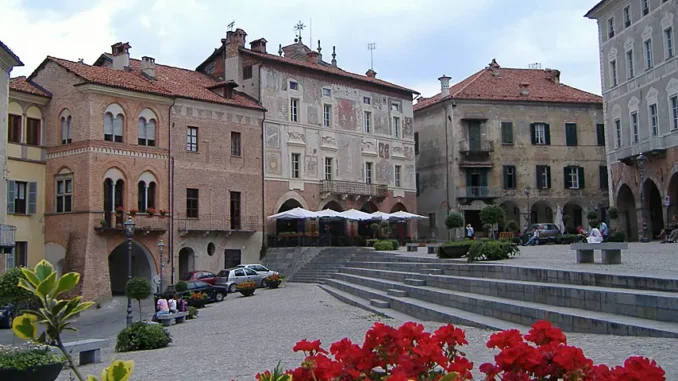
column 547, row 233
column 203, row 276
column 215, row 293
column 7, row 314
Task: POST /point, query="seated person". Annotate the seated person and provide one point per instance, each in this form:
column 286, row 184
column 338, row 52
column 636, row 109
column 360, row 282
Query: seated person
column 595, row 236
column 172, row 304
column 673, row 226
column 534, row 239
column 162, row 307
column 603, row 230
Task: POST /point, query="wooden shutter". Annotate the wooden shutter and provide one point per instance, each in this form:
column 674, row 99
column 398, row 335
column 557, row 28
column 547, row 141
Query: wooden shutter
column 547, row 134
column 533, row 133
column 570, row 134
column 32, row 197
column 505, row 176
column 548, row 176
column 416, row 142
column 566, row 178
column 538, row 176
column 603, row 177
column 416, row 180
column 600, row 133
column 581, row 177
column 11, row 195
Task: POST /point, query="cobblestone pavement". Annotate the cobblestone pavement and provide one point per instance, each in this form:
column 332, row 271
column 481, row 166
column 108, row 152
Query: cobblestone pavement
column 651, row 259
column 239, row 337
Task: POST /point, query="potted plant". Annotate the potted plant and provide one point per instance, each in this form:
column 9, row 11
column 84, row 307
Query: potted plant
column 133, row 212
column 197, row 299
column 454, row 220
column 494, row 216
column 454, row 249
column 119, row 210
column 102, row 223
column 273, row 281
column 246, row 288
column 150, row 212
column 30, row 363
column 162, row 212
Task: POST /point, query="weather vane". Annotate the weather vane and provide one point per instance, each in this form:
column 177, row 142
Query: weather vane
column 299, row 27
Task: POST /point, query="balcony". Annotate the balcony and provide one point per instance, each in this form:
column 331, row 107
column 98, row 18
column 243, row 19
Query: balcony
column 654, row 147
column 218, row 224
column 477, row 193
column 476, row 153
column 353, row 188
column 7, row 236
column 112, row 222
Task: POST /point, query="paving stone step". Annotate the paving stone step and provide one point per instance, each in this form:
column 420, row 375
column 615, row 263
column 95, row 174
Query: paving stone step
column 432, row 271
column 396, row 292
column 518, row 312
column 644, row 304
column 406, row 308
column 414, row 282
column 380, row 303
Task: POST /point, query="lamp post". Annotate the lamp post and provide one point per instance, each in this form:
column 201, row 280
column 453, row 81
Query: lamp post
column 161, row 248
column 641, row 160
column 527, row 192
column 129, row 233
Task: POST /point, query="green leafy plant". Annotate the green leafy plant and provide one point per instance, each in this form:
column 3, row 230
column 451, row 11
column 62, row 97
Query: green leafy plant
column 454, row 220
column 181, row 286
column 383, row 245
column 277, row 375
column 371, row 242
column 492, row 250
column 613, row 212
column 56, row 315
column 567, row 239
column 375, row 229
column 27, row 357
column 246, row 285
column 492, row 215
column 512, row 226
column 192, row 312
column 11, row 293
column 138, row 288
column 617, row 237
column 454, row 249
column 142, row 336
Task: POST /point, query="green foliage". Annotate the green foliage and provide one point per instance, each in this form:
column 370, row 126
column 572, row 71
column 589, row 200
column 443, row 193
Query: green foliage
column 278, row 374
column 492, row 250
column 11, row 293
column 567, row 239
column 383, row 245
column 375, row 229
column 487, row 228
column 138, row 288
column 454, row 249
column 492, row 214
column 142, row 336
column 617, row 237
column 192, row 312
column 371, row 242
column 385, row 224
column 613, row 212
column 454, row 220
column 512, row 226
column 181, row 286
column 395, row 243
column 22, row 358
column 592, row 215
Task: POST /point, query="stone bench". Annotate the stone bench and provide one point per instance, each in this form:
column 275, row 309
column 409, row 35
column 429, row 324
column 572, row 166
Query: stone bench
column 166, row 319
column 611, row 251
column 412, row 247
column 88, row 350
column 432, row 248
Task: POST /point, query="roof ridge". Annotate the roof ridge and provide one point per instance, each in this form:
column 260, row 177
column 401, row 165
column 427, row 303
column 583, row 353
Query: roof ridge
column 475, row 76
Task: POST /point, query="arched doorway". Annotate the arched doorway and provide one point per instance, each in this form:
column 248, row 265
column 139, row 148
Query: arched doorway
column 364, row 226
column 333, row 205
column 399, row 229
column 399, row 207
column 142, row 265
column 575, row 216
column 512, row 212
column 653, row 209
column 284, row 226
column 673, row 196
column 335, row 227
column 628, row 220
column 186, row 261
column 369, row 207
column 541, row 213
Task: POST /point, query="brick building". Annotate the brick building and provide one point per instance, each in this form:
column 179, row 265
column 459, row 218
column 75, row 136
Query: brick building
column 174, row 149
column 515, row 137
column 332, row 139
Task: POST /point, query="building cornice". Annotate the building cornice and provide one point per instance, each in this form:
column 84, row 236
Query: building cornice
column 29, row 98
column 106, row 151
column 91, row 88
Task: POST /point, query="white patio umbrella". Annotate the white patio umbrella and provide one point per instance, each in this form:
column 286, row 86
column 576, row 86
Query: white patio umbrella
column 559, row 219
column 356, row 215
column 327, row 213
column 294, row 214
column 381, row 215
column 406, row 216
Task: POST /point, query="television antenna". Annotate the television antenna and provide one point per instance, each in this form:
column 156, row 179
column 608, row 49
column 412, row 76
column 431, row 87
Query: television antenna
column 231, row 25
column 535, row 65
column 371, row 47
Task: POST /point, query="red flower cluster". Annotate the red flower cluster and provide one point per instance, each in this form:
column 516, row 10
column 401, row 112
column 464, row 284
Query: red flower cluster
column 543, row 354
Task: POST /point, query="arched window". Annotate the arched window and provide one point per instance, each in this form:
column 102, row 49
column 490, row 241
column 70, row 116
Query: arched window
column 146, row 128
column 113, row 123
column 114, row 189
column 146, row 188
column 66, row 121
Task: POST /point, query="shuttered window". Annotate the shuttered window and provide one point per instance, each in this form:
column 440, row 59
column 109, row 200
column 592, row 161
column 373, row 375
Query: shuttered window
column 570, row 134
column 507, row 133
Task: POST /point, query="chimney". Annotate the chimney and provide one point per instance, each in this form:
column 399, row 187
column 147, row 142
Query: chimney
column 228, row 89
column 494, row 66
column 234, row 40
column 313, row 56
column 523, row 88
column 444, row 86
column 553, row 75
column 258, row 45
column 120, row 55
column 371, row 73
column 334, row 56
column 148, row 67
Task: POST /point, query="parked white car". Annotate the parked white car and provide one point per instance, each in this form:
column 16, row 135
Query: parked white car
column 261, row 270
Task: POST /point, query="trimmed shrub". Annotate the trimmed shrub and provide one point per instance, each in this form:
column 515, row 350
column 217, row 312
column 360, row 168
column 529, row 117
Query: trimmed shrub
column 454, row 220
column 454, row 249
column 396, row 244
column 613, row 212
column 11, row 293
column 181, row 286
column 568, row 239
column 492, row 250
column 193, row 312
column 512, row 226
column 383, row 245
column 617, row 237
column 375, row 229
column 371, row 242
column 492, row 214
column 138, row 288
column 142, row 336
column 592, row 215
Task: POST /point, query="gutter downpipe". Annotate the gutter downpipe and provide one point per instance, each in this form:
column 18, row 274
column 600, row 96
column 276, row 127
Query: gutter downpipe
column 447, row 167
column 264, row 245
column 170, row 174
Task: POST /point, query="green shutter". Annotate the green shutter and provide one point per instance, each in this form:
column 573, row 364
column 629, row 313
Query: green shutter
column 603, row 177
column 600, row 133
column 538, row 177
column 416, row 180
column 566, row 178
column 581, row 178
column 32, row 197
column 547, row 132
column 11, row 195
column 533, row 133
column 548, row 176
column 505, row 176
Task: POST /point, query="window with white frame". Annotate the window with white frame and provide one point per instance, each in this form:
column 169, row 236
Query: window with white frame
column 613, row 72
column 327, row 115
column 296, row 162
column 294, row 85
column 294, row 109
column 627, row 16
column 368, row 122
column 654, row 123
column 396, row 175
column 617, row 132
column 540, row 133
column 64, row 194
column 396, row 127
column 113, row 123
column 674, row 111
column 573, row 175
column 395, row 106
column 629, row 64
column 368, row 173
column 649, row 58
column 634, row 126
column 66, row 127
column 146, row 129
column 327, row 92
column 367, row 100
column 668, row 40
column 328, row 168
column 610, row 27
column 192, row 139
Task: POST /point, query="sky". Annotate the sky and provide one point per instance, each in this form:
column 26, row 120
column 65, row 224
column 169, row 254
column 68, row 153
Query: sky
column 416, row 41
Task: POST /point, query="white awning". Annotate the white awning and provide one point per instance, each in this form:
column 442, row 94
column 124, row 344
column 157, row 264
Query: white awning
column 294, row 214
column 406, row 216
column 381, row 215
column 357, row 215
column 328, row 213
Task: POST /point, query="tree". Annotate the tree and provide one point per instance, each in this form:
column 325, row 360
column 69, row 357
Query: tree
column 375, row 229
column 493, row 215
column 138, row 288
column 592, row 216
column 11, row 293
column 454, row 220
column 181, row 286
column 613, row 212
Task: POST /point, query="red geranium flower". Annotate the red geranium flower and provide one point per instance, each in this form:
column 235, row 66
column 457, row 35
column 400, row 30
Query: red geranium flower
column 308, row 346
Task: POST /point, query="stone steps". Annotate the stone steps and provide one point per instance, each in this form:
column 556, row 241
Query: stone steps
column 653, row 305
column 514, row 312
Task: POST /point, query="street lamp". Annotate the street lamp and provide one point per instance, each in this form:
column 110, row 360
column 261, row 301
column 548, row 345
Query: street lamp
column 161, row 247
column 527, row 192
column 129, row 233
column 641, row 160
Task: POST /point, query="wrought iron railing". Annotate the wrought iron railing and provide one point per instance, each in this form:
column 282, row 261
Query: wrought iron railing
column 478, row 192
column 142, row 221
column 218, row 223
column 476, row 146
column 353, row 188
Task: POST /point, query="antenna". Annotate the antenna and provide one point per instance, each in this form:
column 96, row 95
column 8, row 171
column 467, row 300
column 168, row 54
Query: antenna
column 311, row 29
column 535, row 65
column 371, row 46
column 231, row 25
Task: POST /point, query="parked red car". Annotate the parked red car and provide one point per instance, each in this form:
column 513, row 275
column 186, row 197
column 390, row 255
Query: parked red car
column 203, row 276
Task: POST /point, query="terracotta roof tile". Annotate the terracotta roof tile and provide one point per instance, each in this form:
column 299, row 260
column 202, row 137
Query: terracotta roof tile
column 506, row 86
column 328, row 69
column 169, row 81
column 25, row 86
